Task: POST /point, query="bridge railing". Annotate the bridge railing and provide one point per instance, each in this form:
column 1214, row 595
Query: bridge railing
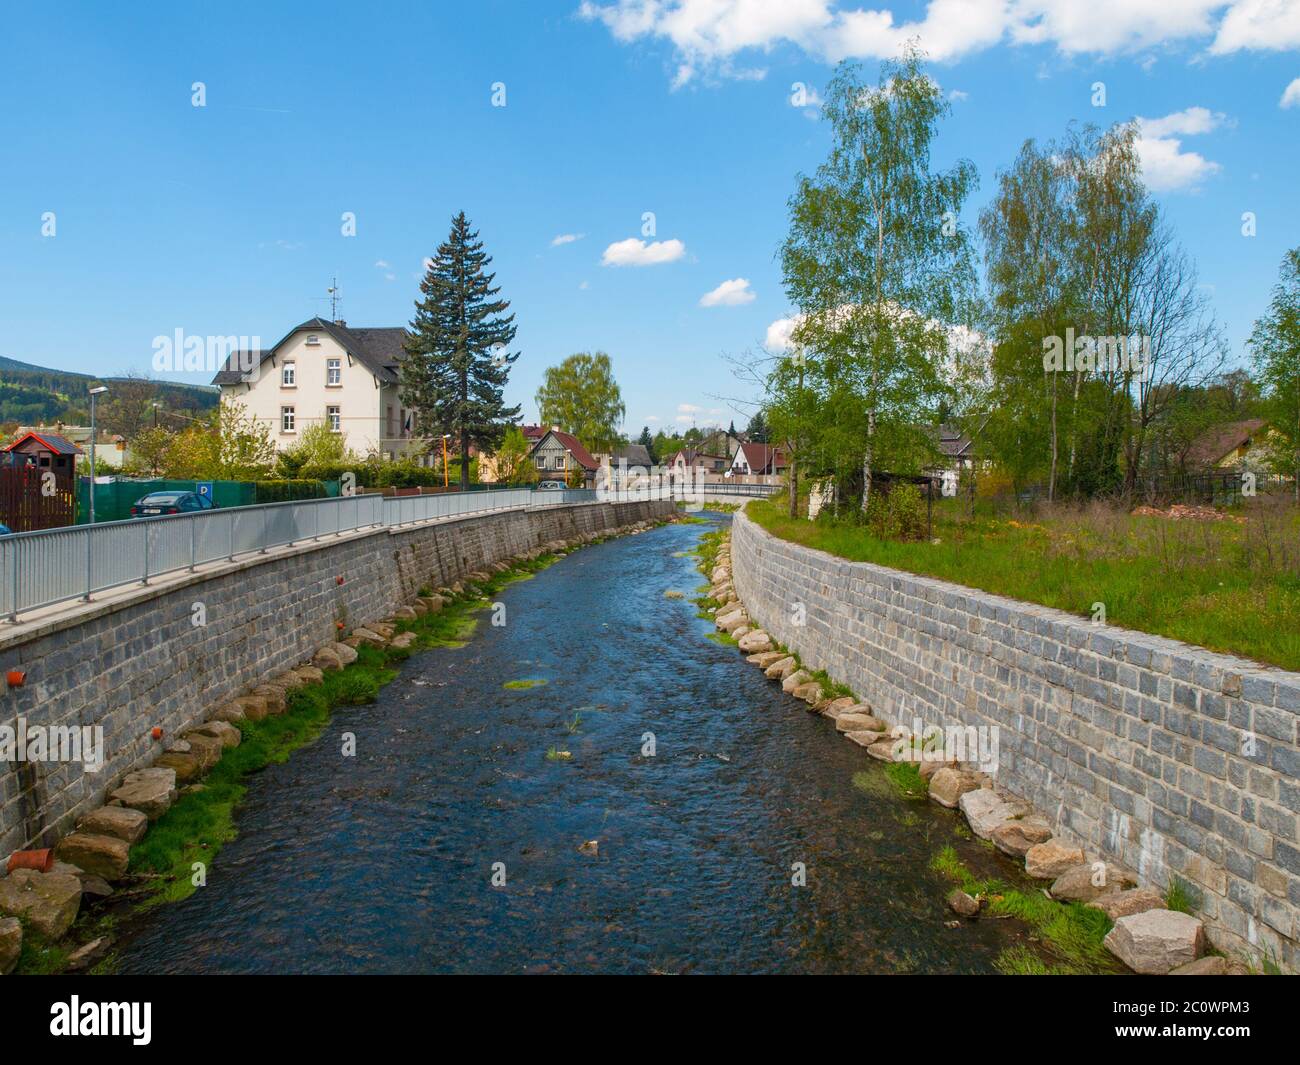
column 39, row 569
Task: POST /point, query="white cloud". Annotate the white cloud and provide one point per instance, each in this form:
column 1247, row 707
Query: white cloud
column 731, row 293
column 633, row 252
column 957, row 96
column 583, row 286
column 1291, row 95
column 708, row 35
column 380, row 264
column 1165, row 166
column 688, row 408
column 651, row 418
column 777, row 338
column 566, row 238
column 1268, row 25
column 683, row 419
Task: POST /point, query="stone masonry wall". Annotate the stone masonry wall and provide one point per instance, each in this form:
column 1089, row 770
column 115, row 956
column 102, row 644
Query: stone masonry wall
column 142, row 662
column 1170, row 759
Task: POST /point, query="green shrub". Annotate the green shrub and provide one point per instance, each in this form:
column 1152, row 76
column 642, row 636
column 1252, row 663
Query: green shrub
column 286, row 489
column 897, row 514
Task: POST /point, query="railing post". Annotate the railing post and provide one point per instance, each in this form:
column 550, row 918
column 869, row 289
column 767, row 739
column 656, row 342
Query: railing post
column 266, row 533
column 13, row 603
column 144, row 525
column 232, row 536
column 194, row 543
column 89, row 541
column 315, row 523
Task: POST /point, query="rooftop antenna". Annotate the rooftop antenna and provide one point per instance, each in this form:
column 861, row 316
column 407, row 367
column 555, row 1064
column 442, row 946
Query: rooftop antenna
column 335, row 294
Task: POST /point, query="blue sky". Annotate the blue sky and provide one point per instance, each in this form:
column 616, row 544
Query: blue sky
column 226, row 219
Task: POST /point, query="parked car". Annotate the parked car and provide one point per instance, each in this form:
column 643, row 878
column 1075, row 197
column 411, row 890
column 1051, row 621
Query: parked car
column 5, row 530
column 551, row 486
column 170, row 503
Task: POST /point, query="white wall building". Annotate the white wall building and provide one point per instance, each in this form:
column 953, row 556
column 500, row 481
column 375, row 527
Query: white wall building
column 327, row 372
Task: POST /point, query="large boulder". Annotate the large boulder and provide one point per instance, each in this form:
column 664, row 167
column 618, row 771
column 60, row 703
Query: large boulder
column 1156, row 941
column 885, row 750
column 187, row 765
column 1125, row 903
column 46, row 901
column 104, row 856
column 857, row 722
column 1210, row 965
column 208, row 749
column 151, row 791
column 310, row 674
column 1016, row 837
column 254, row 707
column 274, row 695
column 222, row 731
column 1083, row 883
column 1047, row 861
column 732, row 620
column 781, row 668
column 765, row 658
column 810, row 692
column 865, row 738
column 986, row 810
column 754, row 642
column 327, row 658
column 347, row 655
column 119, row 821
column 11, row 944
column 947, row 786
column 793, row 680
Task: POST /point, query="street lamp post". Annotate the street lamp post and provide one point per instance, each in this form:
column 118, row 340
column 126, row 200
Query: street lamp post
column 446, row 483
column 90, row 490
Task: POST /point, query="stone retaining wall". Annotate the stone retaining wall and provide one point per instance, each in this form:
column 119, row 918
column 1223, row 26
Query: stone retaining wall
column 139, row 661
column 1167, row 758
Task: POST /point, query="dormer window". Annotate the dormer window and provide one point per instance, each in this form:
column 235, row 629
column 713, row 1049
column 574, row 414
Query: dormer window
column 313, row 341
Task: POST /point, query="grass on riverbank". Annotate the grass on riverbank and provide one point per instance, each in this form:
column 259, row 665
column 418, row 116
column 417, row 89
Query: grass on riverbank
column 1070, row 932
column 201, row 822
column 1230, row 585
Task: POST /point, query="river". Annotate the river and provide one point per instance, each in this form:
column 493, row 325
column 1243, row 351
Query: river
column 384, row 862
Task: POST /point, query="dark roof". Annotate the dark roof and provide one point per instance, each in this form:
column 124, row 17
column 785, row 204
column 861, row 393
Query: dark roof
column 635, row 454
column 953, row 442
column 1214, row 444
column 50, row 441
column 378, row 348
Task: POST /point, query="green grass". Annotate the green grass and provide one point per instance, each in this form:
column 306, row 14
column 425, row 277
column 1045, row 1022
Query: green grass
column 1071, row 932
column 1179, row 896
column 1227, row 585
column 524, row 685
column 906, row 777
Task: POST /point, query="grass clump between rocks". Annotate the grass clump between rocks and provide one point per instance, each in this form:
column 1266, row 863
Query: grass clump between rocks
column 1069, row 931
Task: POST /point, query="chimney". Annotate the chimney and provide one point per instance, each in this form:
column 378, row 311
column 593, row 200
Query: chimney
column 341, row 322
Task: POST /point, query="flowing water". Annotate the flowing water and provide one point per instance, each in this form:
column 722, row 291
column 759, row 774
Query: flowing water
column 384, row 862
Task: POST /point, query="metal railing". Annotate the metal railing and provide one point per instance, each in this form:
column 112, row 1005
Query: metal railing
column 39, row 569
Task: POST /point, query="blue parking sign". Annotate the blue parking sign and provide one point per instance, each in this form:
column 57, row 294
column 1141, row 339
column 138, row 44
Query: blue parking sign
column 204, row 489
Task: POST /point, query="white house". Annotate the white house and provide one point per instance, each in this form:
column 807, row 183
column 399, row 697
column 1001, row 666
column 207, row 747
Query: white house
column 326, row 372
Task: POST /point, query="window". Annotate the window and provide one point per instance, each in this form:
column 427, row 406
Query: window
column 559, row 462
column 388, row 421
column 286, row 420
column 541, row 462
column 288, row 375
column 313, row 341
column 333, row 372
column 332, row 414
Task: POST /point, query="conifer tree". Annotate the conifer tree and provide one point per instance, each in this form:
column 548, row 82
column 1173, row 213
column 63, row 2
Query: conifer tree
column 457, row 353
